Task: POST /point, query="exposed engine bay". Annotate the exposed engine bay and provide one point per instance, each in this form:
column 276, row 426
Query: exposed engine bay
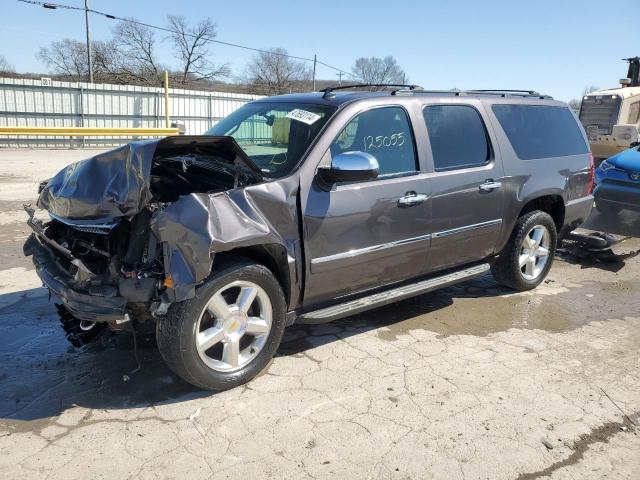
column 104, row 249
column 175, row 175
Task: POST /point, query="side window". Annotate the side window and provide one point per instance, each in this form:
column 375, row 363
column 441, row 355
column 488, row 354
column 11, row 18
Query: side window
column 457, row 135
column 383, row 132
column 541, row 131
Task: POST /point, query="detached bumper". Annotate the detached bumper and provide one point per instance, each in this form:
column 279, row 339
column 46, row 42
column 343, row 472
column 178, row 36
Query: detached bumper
column 99, row 304
column 576, row 213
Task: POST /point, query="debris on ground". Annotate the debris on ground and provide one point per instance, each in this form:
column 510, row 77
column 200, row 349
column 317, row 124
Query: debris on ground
column 596, row 247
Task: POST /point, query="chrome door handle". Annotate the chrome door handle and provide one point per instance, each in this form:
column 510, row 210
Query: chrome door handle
column 411, row 198
column 490, row 186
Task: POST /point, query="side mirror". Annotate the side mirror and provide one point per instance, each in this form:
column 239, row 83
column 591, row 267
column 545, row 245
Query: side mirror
column 350, row 167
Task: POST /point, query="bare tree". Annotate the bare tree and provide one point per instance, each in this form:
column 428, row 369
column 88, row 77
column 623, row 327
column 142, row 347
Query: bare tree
column 576, row 103
column 378, row 70
column 191, row 44
column 132, row 53
column 127, row 58
column 110, row 65
column 66, row 57
column 272, row 72
column 5, row 66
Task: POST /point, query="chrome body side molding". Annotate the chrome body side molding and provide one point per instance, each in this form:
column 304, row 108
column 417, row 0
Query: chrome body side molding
column 374, row 248
column 384, row 246
column 466, row 228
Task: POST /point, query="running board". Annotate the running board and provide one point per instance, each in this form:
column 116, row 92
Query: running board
column 358, row 305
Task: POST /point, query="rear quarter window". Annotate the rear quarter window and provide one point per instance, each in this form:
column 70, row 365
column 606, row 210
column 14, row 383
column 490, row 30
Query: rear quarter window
column 540, row 131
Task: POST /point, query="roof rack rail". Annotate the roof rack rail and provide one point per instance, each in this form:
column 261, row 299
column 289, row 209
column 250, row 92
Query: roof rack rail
column 505, row 92
column 400, row 86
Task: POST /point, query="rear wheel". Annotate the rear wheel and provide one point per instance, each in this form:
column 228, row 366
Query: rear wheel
column 527, row 257
column 229, row 331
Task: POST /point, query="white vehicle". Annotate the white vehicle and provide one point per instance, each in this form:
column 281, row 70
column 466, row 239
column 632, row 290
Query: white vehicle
column 611, row 117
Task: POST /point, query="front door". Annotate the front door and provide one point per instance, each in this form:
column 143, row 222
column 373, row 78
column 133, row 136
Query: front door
column 468, row 195
column 367, row 234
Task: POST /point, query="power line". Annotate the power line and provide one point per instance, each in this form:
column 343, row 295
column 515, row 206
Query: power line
column 54, row 6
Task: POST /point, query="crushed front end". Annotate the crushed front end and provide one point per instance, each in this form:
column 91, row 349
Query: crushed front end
column 126, row 233
column 84, row 265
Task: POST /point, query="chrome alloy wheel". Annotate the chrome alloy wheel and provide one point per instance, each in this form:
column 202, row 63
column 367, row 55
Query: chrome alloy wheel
column 534, row 252
column 234, row 326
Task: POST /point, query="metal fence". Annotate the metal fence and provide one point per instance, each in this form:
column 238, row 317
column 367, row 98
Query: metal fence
column 46, row 103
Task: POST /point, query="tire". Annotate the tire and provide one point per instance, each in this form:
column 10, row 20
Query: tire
column 508, row 269
column 606, row 208
column 208, row 345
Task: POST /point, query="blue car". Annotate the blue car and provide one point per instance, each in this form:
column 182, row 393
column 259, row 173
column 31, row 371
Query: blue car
column 618, row 183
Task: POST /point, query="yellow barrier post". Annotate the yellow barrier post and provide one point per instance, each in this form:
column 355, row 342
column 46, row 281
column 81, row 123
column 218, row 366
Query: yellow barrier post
column 88, row 131
column 166, row 99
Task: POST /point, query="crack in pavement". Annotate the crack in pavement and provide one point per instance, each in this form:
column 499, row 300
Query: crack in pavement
column 601, row 434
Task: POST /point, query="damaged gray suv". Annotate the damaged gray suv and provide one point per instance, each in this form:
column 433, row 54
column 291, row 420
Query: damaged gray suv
column 304, row 209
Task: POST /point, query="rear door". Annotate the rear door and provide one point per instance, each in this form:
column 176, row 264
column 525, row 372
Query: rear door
column 467, row 184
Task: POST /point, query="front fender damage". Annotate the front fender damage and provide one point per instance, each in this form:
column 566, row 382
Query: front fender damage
column 197, row 226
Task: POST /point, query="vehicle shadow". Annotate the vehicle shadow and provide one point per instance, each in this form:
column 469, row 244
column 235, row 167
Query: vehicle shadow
column 42, row 375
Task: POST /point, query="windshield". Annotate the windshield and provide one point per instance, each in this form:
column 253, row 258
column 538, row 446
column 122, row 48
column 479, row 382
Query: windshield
column 274, row 135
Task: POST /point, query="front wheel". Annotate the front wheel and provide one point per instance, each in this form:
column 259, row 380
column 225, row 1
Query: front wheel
column 227, row 333
column 527, row 257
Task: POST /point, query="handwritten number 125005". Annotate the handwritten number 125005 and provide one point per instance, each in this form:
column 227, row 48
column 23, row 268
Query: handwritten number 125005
column 383, row 141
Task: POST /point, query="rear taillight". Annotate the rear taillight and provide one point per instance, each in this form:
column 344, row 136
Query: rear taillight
column 592, row 173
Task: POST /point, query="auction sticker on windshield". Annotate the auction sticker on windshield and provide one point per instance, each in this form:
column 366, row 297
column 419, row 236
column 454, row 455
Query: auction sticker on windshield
column 303, row 116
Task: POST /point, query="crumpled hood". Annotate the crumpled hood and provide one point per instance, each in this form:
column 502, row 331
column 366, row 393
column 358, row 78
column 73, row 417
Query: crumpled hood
column 627, row 160
column 111, row 184
column 117, row 183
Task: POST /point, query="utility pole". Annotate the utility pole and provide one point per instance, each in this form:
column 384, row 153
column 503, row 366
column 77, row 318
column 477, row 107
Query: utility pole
column 86, row 19
column 339, row 78
column 315, row 59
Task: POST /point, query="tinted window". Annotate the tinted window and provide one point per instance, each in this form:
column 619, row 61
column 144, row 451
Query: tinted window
column 457, row 135
column 385, row 133
column 539, row 131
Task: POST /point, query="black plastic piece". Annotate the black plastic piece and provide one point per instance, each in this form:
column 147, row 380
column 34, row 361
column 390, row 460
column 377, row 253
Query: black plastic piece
column 137, row 290
column 137, row 239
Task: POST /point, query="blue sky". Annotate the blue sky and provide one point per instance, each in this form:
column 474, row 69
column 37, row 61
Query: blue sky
column 556, row 47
